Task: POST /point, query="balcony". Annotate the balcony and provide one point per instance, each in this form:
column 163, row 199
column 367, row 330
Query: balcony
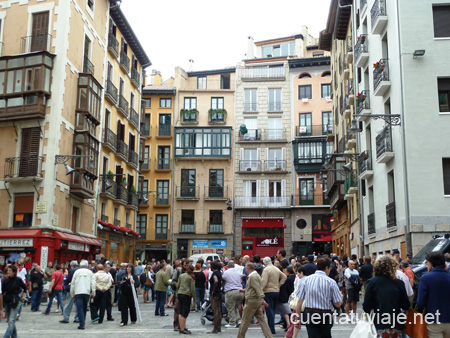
column 113, row 45
column 216, row 193
column 335, row 182
column 391, row 220
column 25, row 86
column 262, row 202
column 350, row 186
column 250, row 107
column 104, row 218
column 146, row 131
column 111, row 92
column 313, row 130
column 82, row 184
column 164, row 131
column 134, row 118
column 145, row 165
column 381, row 81
column 88, row 66
column 143, row 202
column 274, row 135
column 133, row 200
column 309, row 199
column 203, row 142
column 124, row 62
column 122, row 194
column 163, row 164
column 275, row 167
column 363, row 105
column 350, row 140
column 365, row 165
column 347, row 109
column 310, row 154
column 362, row 50
column 133, row 158
column 187, row 228
column 349, row 49
column 275, row 107
column 187, row 193
column 215, row 228
column 109, row 187
column 135, row 78
column 23, row 169
column 122, row 150
column 189, row 116
column 117, row 222
column 263, row 74
column 89, row 97
column 123, row 106
column 161, row 200
column 110, row 140
column 217, row 116
column 378, row 16
column 385, row 151
column 35, row 43
column 249, row 166
column 371, row 223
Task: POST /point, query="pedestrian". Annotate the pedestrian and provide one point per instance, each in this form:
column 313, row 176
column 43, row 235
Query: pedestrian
column 182, row 268
column 254, row 303
column 186, row 291
column 310, row 266
column 161, row 287
column 300, row 273
column 55, row 290
column 138, row 270
column 102, row 285
column 320, row 293
column 400, row 275
column 396, row 255
column 12, row 288
column 352, row 286
column 434, row 295
column 365, row 273
column 200, row 285
column 215, row 295
column 82, row 287
column 48, row 277
column 281, row 256
column 35, row 286
column 257, row 264
column 404, row 266
column 272, row 279
column 147, row 282
column 386, row 296
column 233, row 294
column 286, row 290
column 109, row 293
column 128, row 298
column 69, row 299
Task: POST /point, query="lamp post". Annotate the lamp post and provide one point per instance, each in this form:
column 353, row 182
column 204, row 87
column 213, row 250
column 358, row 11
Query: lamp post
column 62, row 159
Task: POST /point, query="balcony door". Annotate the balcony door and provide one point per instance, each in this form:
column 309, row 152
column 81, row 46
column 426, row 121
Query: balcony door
column 275, row 128
column 305, row 126
column 29, row 152
column 252, row 127
column 327, row 122
column 164, row 125
column 164, row 157
column 252, row 193
column 275, row 159
column 216, row 181
column 275, row 191
column 187, row 182
column 162, row 193
column 250, row 161
column 39, row 32
column 306, row 191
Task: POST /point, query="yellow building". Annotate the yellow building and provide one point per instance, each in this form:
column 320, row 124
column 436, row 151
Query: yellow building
column 154, row 218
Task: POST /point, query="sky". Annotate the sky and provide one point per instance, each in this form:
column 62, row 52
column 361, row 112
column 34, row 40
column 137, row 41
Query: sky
column 214, row 33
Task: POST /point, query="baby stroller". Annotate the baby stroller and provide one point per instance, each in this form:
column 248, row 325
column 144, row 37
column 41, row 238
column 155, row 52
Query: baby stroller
column 208, row 313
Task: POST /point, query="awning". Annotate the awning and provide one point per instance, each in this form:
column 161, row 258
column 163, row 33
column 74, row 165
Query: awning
column 19, row 233
column 75, row 238
column 122, row 229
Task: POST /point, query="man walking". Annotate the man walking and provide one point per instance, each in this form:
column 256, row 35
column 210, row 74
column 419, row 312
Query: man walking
column 254, row 303
column 82, row 287
column 310, row 266
column 69, row 299
column 352, row 287
column 365, row 273
column 233, row 297
column 161, row 287
column 109, row 293
column 102, row 285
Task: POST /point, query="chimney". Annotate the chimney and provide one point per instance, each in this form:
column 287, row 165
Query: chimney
column 251, row 48
column 155, row 78
column 191, row 65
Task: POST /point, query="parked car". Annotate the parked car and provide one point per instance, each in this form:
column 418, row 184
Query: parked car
column 205, row 256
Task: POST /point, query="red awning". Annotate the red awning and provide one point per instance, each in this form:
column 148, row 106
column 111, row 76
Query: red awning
column 19, row 233
column 75, row 238
column 122, row 229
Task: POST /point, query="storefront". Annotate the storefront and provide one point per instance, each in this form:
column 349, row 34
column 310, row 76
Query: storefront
column 188, row 247
column 262, row 236
column 43, row 246
column 117, row 243
column 321, row 234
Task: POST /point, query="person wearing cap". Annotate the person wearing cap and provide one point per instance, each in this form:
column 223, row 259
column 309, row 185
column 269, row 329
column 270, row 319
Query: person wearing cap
column 396, row 255
column 310, row 266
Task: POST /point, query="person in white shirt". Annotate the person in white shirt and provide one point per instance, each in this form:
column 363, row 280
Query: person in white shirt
column 351, row 288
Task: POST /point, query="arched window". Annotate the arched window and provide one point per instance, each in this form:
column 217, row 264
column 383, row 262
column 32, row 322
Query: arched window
column 304, row 76
column 326, row 73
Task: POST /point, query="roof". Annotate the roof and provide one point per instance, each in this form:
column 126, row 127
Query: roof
column 125, row 28
column 309, row 62
column 163, row 89
column 227, row 70
column 337, row 23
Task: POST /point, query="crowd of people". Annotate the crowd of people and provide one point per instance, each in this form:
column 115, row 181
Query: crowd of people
column 303, row 291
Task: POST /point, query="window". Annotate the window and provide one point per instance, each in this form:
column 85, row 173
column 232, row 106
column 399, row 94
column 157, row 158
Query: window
column 225, row 81
column 116, row 217
column 141, row 225
column 326, row 74
column 23, row 211
column 252, row 129
column 304, row 92
column 306, row 191
column 444, row 94
column 90, row 4
column 215, row 221
column 187, row 221
column 446, row 171
column 250, row 100
column 275, row 159
column 187, row 188
column 305, row 76
column 252, row 192
column 216, row 182
column 146, row 163
column 146, row 128
column 441, row 20
column 327, row 122
column 190, row 103
column 326, row 90
column 305, row 127
column 310, row 152
column 165, row 127
column 275, row 100
column 217, row 115
column 161, row 226
column 201, row 82
column 164, row 157
column 162, row 192
column 275, row 128
column 147, row 103
column 127, row 220
column 283, row 49
column 165, row 103
column 217, row 103
column 39, row 33
column 203, row 142
column 249, row 160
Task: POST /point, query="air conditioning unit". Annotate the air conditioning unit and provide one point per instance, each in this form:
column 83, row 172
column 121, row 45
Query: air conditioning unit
column 305, row 100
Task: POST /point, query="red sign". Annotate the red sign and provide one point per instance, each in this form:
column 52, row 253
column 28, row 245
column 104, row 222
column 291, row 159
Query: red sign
column 269, row 241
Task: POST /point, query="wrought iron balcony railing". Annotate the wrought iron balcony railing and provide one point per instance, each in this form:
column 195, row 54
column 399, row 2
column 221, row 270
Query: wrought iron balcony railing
column 249, row 165
column 380, row 73
column 111, row 91
column 25, row 166
column 113, row 44
column 124, row 61
column 384, row 142
column 362, row 45
column 110, row 139
column 390, row 215
column 371, row 223
column 275, row 166
column 36, row 43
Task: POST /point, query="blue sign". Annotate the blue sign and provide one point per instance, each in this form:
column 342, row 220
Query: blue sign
column 219, row 243
column 200, row 243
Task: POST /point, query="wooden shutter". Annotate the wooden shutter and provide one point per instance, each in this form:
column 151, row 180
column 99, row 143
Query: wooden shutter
column 39, row 31
column 446, row 170
column 29, row 152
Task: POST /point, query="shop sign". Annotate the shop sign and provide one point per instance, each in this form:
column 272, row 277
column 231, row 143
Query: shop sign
column 200, row 243
column 44, row 257
column 115, row 238
column 272, row 241
column 76, row 246
column 19, row 217
column 102, row 234
column 40, row 207
column 16, row 242
column 208, row 251
column 86, row 248
column 219, row 243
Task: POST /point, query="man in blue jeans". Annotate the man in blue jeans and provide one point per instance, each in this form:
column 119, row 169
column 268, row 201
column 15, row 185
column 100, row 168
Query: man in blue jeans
column 69, row 299
column 55, row 290
column 82, row 288
column 162, row 284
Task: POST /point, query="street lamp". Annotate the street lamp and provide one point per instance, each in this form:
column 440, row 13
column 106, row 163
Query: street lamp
column 62, row 159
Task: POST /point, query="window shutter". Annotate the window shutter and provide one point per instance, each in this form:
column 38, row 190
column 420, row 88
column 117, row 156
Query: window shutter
column 446, row 171
column 258, row 154
column 258, row 188
column 29, row 151
column 266, row 188
column 283, row 188
column 283, row 154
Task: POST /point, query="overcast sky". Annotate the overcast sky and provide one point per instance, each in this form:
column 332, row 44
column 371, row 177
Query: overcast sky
column 214, row 33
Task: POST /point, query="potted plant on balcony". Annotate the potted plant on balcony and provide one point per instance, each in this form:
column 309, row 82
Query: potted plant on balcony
column 133, row 189
column 110, row 175
column 189, row 114
column 217, row 114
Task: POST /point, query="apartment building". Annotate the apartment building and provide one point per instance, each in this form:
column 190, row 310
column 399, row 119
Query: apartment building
column 154, row 218
column 311, row 134
column 118, row 201
column 342, row 187
column 202, row 190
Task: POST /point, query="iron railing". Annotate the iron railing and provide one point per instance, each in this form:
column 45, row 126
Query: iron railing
column 390, row 215
column 384, row 142
column 111, row 91
column 110, row 138
column 109, row 186
column 380, row 73
column 189, row 115
column 187, row 192
column 362, row 45
column 263, row 72
column 25, row 166
column 311, row 198
column 113, row 44
column 134, row 117
column 124, row 61
column 259, row 202
column 350, row 181
column 275, row 165
column 104, row 218
column 122, row 193
column 117, row 222
column 313, row 130
column 88, row 66
column 161, row 199
column 163, row 163
column 371, row 223
column 249, row 165
column 164, row 130
column 133, row 157
column 274, row 134
column 135, row 77
column 251, row 135
column 122, row 148
column 362, row 101
column 123, row 105
column 35, row 43
column 187, row 228
column 216, row 192
column 217, row 115
column 133, row 199
column 215, row 228
column 250, row 106
column 378, row 9
column 275, row 106
column 364, row 161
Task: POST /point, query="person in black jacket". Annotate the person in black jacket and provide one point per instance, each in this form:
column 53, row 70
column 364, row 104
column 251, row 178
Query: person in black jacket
column 127, row 297
column 283, row 297
column 12, row 286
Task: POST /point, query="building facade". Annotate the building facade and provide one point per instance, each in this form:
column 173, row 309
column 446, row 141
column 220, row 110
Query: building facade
column 202, row 216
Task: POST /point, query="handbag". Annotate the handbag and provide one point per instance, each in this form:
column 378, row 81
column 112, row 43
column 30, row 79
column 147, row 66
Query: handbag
column 365, row 328
column 293, row 301
column 416, row 326
column 148, row 281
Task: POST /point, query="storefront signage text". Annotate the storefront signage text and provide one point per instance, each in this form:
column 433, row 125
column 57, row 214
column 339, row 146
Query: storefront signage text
column 40, row 207
column 76, row 246
column 219, row 243
column 44, row 257
column 115, row 238
column 16, row 242
column 272, row 241
column 200, row 243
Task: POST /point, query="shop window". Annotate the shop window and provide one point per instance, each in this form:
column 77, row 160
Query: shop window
column 23, row 211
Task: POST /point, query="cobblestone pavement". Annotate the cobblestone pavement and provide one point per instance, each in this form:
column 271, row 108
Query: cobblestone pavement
column 34, row 324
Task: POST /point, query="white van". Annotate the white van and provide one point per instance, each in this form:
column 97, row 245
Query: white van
column 205, row 256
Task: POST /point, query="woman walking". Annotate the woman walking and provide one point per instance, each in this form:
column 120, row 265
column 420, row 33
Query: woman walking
column 12, row 287
column 128, row 298
column 386, row 297
column 300, row 272
column 148, row 284
column 200, row 286
column 186, row 291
